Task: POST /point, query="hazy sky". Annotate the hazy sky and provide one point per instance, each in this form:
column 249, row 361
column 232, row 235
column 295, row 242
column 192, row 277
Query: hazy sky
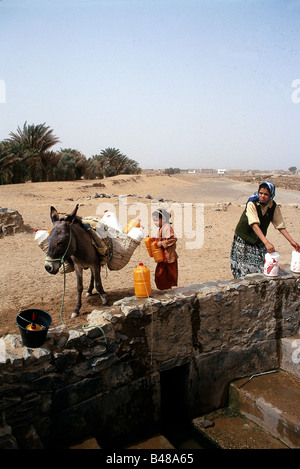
column 170, row 83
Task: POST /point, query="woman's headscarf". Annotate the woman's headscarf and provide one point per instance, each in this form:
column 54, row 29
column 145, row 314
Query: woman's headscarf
column 271, row 188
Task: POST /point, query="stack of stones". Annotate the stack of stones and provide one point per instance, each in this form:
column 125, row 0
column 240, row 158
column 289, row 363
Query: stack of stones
column 10, row 222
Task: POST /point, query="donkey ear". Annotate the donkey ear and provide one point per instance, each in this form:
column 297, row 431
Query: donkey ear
column 70, row 218
column 54, row 214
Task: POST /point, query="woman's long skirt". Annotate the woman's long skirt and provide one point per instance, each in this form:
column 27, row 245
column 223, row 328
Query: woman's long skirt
column 246, row 258
column 166, row 275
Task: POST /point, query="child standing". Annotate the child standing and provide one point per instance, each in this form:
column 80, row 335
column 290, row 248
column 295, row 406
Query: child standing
column 166, row 272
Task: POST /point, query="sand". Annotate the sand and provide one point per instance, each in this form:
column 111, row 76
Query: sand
column 203, row 257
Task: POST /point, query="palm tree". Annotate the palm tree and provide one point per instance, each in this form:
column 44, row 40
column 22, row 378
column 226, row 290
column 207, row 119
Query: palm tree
column 52, row 162
column 71, row 165
column 36, row 141
column 117, row 163
column 132, row 167
column 111, row 156
column 95, row 167
column 12, row 167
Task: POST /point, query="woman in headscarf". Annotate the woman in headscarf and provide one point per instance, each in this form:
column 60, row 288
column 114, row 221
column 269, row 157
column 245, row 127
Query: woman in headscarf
column 250, row 243
column 166, row 272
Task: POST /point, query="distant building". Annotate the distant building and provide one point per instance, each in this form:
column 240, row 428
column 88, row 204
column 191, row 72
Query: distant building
column 222, row 171
column 207, row 171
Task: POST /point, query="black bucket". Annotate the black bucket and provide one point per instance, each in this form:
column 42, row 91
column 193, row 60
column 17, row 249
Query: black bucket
column 33, row 338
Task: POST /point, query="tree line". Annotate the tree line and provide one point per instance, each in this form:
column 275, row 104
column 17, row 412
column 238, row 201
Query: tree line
column 27, row 156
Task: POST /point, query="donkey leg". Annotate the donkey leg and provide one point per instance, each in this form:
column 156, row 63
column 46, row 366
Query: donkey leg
column 79, row 292
column 99, row 286
column 91, row 286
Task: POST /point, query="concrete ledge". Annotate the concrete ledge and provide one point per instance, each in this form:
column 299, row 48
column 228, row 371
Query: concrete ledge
column 271, row 401
column 228, row 430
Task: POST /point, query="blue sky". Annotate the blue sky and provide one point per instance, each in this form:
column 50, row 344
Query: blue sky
column 170, row 83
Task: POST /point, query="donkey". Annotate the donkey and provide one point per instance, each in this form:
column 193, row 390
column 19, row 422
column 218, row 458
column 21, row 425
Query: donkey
column 69, row 239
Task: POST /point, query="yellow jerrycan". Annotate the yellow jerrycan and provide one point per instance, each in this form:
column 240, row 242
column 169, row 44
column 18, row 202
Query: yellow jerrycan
column 157, row 252
column 148, row 243
column 134, row 223
column 142, row 284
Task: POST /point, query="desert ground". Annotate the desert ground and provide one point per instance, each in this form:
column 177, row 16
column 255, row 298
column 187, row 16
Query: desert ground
column 203, row 244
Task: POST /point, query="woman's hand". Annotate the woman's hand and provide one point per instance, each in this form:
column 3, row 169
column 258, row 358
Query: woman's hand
column 296, row 246
column 270, row 247
column 287, row 236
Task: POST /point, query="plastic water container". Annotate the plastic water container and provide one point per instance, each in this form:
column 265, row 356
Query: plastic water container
column 110, row 219
column 148, row 243
column 271, row 264
column 136, row 233
column 134, row 223
column 295, row 262
column 41, row 238
column 157, row 252
column 142, row 284
column 40, row 235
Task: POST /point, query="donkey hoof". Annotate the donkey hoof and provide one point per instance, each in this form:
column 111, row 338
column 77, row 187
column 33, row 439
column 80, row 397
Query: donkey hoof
column 74, row 315
column 104, row 300
column 88, row 294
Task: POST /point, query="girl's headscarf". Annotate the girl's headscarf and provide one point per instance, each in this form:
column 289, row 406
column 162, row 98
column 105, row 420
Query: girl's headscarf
column 161, row 212
column 271, row 188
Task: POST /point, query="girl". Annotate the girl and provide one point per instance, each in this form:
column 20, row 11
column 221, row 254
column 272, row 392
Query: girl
column 250, row 243
column 166, row 272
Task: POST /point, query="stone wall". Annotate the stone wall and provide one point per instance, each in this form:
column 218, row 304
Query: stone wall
column 11, row 222
column 112, row 378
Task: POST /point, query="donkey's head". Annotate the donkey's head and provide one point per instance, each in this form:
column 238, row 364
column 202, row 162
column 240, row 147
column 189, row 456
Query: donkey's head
column 61, row 244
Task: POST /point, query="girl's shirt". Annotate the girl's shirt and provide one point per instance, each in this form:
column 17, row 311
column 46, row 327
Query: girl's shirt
column 168, row 241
